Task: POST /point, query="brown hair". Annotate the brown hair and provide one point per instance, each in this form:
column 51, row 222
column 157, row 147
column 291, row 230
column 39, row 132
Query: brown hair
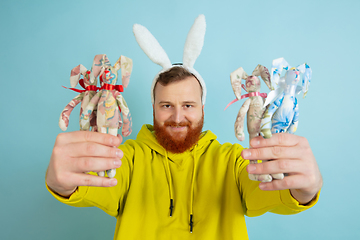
column 174, row 74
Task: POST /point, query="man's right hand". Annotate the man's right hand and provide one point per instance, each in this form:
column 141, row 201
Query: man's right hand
column 76, row 153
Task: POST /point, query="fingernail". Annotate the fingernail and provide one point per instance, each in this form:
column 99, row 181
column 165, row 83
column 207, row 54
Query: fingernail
column 112, row 182
column 251, row 168
column 246, row 154
column 117, row 163
column 119, row 153
column 255, row 142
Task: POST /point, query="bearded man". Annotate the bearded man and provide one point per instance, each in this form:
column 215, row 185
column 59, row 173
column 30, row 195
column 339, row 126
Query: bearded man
column 177, row 182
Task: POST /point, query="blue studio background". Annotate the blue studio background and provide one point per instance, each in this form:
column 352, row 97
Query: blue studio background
column 41, row 41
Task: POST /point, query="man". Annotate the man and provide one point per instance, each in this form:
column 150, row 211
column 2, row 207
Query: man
column 176, row 182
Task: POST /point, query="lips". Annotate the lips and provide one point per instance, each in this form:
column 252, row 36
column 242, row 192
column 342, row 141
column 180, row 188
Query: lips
column 176, row 125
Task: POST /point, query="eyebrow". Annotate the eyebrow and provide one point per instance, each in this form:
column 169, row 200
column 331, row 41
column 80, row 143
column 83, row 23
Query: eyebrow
column 185, row 102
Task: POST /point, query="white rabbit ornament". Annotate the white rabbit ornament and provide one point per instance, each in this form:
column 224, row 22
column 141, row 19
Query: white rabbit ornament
column 282, row 115
column 252, row 107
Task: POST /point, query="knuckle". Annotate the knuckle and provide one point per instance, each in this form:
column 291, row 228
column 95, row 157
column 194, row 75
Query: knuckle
column 90, row 148
column 304, row 141
column 88, row 136
column 107, row 139
column 283, row 165
column 276, row 151
column 87, row 164
column 87, row 181
column 57, row 150
column 60, row 178
column 60, row 138
column 286, row 183
column 257, row 152
column 282, row 138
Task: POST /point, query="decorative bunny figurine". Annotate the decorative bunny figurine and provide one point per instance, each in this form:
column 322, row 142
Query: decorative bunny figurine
column 282, row 115
column 89, row 84
column 253, row 106
column 109, row 102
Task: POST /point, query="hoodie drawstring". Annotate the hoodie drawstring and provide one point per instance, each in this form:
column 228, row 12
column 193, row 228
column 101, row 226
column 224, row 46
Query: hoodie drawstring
column 169, row 184
column 191, row 222
column 169, row 178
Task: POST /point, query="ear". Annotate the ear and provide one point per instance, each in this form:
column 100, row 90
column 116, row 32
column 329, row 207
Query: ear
column 151, row 46
column 278, row 65
column 306, row 77
column 100, row 61
column 264, row 73
column 75, row 74
column 235, row 78
column 194, row 41
column 125, row 64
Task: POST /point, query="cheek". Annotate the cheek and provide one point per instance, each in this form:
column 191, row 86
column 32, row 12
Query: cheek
column 161, row 116
column 194, row 116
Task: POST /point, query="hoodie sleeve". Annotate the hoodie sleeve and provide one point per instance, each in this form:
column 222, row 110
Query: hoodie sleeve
column 257, row 202
column 110, row 199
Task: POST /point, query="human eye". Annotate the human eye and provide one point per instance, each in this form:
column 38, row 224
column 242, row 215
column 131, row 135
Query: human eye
column 189, row 106
column 166, row 106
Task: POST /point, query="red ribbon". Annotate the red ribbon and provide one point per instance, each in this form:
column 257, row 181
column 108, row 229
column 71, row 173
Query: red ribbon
column 88, row 88
column 251, row 94
column 110, row 87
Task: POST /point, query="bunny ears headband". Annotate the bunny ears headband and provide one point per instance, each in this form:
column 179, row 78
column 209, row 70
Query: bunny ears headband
column 193, row 45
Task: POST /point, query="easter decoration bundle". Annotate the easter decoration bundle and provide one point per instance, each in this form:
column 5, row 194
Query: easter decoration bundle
column 276, row 112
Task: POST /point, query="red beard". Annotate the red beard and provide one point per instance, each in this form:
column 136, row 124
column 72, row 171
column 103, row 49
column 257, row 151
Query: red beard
column 176, row 143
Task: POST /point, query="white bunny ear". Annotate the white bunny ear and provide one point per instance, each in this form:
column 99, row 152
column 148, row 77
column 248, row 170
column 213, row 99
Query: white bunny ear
column 306, row 77
column 194, row 41
column 151, row 46
column 76, row 73
column 278, row 65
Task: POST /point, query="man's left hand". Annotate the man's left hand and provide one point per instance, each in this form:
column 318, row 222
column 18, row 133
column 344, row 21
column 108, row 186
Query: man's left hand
column 291, row 154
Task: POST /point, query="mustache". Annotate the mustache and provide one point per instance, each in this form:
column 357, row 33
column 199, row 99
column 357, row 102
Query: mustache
column 175, row 124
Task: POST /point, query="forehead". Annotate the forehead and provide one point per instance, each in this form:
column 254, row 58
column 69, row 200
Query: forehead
column 188, row 89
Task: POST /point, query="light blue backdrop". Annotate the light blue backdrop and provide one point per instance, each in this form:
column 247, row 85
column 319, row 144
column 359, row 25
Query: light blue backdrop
column 41, row 41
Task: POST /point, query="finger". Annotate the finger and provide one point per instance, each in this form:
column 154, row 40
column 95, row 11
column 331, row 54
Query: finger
column 276, row 166
column 289, row 182
column 87, row 164
column 88, row 136
column 277, row 139
column 91, row 180
column 120, row 138
column 91, row 149
column 274, row 152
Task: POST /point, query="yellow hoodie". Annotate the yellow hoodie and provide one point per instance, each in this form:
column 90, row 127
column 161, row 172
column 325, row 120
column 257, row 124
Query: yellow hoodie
column 206, row 190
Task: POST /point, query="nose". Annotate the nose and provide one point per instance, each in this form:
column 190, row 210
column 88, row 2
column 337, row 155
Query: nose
column 178, row 115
